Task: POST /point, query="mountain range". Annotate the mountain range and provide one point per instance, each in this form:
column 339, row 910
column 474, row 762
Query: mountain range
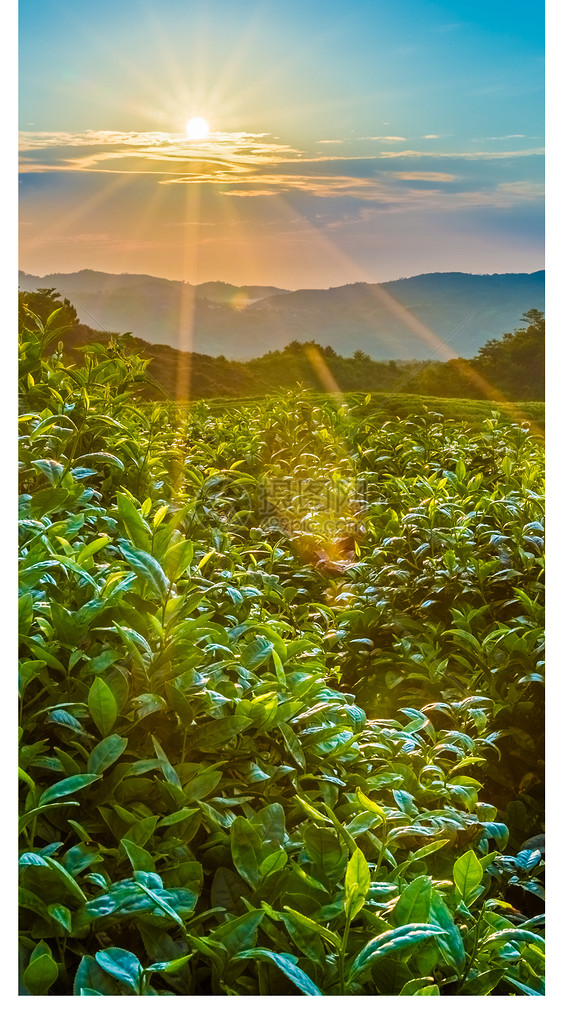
column 399, row 320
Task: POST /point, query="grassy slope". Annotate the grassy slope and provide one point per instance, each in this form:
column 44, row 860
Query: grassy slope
column 402, row 405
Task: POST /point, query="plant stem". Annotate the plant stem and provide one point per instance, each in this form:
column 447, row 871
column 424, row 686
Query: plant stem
column 342, row 954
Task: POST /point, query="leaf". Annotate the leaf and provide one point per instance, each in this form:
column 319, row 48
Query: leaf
column 174, row 965
column 170, row 774
column 357, row 883
column 91, row 980
column 201, row 785
column 51, row 469
column 178, row 816
column 246, row 848
column 451, row 945
column 146, row 567
column 413, row 903
column 62, row 915
column 104, row 457
column 66, row 787
column 142, row 830
column 62, row 717
column 65, row 877
column 177, row 559
column 41, row 973
column 139, row 858
column 483, row 984
column 314, row 927
column 227, row 889
column 25, row 612
column 256, row 652
column 92, row 548
column 368, row 804
column 518, row 935
column 467, row 874
column 325, row 852
column 105, row 753
column 404, row 938
column 293, row 745
column 287, row 964
column 426, row 850
column 272, row 863
column 522, row 986
column 312, row 811
column 238, row 934
column 212, row 735
column 528, row 858
column 412, row 987
column 122, row 965
column 102, row 705
column 134, row 523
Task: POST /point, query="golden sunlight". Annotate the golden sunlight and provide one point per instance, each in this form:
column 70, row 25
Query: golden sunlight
column 197, row 129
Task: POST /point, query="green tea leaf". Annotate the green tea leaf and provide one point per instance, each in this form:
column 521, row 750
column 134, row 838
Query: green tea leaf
column 139, row 858
column 146, row 567
column 357, row 883
column 67, row 787
column 41, row 973
column 404, row 938
column 246, row 848
column 122, row 965
column 482, row 984
column 239, row 934
column 62, row 915
column 467, row 874
column 215, row 734
column 288, row 965
column 134, row 523
column 368, row 804
column 105, row 753
column 92, row 548
column 413, row 903
column 102, row 706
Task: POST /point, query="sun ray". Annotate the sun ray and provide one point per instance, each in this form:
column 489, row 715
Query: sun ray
column 113, row 185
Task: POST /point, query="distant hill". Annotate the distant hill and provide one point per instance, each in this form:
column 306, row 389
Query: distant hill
column 241, row 323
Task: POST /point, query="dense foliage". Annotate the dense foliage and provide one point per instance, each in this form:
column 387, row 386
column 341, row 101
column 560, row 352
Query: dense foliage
column 512, row 367
column 280, row 693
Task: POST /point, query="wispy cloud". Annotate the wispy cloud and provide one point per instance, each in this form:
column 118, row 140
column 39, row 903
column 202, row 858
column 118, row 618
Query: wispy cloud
column 250, row 165
column 385, row 137
column 42, row 151
column 432, row 177
column 501, row 137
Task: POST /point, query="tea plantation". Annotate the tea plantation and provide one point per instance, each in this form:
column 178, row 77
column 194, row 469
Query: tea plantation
column 281, row 692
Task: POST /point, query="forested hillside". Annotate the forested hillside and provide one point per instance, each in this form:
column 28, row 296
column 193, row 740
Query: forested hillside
column 390, row 321
column 511, row 367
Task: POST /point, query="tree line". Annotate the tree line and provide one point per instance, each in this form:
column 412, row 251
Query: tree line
column 509, row 367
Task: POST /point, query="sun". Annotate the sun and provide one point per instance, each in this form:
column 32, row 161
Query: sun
column 197, row 129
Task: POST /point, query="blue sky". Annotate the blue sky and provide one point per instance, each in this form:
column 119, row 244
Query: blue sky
column 347, row 142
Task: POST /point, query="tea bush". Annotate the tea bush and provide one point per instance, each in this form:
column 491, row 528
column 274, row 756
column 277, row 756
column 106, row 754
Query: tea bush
column 280, row 670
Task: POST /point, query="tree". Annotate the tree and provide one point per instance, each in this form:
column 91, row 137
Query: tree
column 42, row 303
column 515, row 363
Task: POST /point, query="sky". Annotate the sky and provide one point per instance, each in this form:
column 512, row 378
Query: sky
column 363, row 141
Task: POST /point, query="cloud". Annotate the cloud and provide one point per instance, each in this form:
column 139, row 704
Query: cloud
column 43, row 151
column 246, row 165
column 501, row 137
column 433, row 177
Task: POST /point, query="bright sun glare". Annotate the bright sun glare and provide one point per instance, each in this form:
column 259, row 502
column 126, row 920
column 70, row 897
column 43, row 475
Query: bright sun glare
column 197, row 128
